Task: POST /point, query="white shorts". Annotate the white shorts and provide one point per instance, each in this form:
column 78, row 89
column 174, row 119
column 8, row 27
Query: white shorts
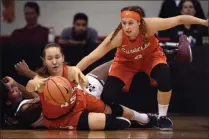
column 95, row 86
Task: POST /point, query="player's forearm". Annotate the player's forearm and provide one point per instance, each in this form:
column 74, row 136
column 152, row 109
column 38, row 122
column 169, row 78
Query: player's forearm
column 26, row 94
column 188, row 19
column 30, row 74
column 30, row 87
column 102, row 71
column 85, row 62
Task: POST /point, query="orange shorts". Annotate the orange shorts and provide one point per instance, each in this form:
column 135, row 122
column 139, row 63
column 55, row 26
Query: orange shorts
column 85, row 102
column 127, row 70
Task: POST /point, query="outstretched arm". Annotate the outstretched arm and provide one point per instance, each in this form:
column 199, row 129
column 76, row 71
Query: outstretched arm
column 26, row 94
column 102, row 71
column 23, row 69
column 100, row 51
column 36, row 84
column 158, row 24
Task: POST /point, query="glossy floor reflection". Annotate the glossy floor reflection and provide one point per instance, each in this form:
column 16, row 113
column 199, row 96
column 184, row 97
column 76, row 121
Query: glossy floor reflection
column 184, row 127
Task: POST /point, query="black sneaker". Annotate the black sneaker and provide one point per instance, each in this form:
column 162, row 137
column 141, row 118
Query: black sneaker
column 164, row 123
column 152, row 122
column 122, row 123
column 153, row 119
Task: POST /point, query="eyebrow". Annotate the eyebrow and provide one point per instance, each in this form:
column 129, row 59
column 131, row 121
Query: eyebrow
column 55, row 55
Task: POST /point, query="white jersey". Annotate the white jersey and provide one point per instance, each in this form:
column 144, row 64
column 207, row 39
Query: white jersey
column 95, row 86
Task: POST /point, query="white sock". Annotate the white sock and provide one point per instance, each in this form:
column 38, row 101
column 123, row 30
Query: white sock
column 142, row 118
column 162, row 110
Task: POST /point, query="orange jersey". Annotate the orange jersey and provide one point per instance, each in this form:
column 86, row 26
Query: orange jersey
column 134, row 51
column 134, row 57
column 70, row 116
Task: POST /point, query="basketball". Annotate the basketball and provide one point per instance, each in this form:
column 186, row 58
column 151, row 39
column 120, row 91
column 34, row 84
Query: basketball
column 184, row 53
column 58, row 91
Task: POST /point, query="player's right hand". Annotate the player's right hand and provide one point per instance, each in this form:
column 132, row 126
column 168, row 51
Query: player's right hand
column 36, row 85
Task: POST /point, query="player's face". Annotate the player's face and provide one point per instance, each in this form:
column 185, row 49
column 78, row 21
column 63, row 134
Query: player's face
column 54, row 60
column 15, row 95
column 130, row 26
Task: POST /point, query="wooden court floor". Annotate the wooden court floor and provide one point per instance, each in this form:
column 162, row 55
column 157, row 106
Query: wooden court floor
column 189, row 127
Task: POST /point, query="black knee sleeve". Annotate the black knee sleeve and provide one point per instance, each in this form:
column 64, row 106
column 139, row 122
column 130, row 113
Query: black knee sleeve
column 161, row 73
column 117, row 110
column 112, row 87
column 116, row 123
column 83, row 123
column 111, row 122
column 141, row 81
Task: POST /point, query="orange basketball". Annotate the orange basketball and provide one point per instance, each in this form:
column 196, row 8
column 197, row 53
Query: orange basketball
column 58, row 91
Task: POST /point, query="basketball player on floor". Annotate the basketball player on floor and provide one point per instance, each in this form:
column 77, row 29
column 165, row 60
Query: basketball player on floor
column 96, row 78
column 78, row 118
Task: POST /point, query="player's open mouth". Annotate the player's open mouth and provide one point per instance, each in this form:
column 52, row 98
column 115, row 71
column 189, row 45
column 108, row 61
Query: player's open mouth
column 128, row 32
column 55, row 67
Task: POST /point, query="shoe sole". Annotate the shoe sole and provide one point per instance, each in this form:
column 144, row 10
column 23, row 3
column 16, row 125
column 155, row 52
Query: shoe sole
column 163, row 129
column 166, row 129
column 142, row 124
column 124, row 120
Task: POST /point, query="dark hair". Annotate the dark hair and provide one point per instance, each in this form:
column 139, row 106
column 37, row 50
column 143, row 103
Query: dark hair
column 34, row 6
column 80, row 16
column 4, row 92
column 199, row 12
column 43, row 71
column 180, row 7
column 7, row 111
column 142, row 12
column 142, row 23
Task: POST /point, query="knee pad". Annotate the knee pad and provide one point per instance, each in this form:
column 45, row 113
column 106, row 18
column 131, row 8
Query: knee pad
column 141, row 81
column 117, row 110
column 83, row 123
column 112, row 87
column 161, row 73
column 111, row 122
column 116, row 123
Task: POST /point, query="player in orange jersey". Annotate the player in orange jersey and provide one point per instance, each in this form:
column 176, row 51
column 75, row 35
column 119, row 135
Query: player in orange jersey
column 86, row 112
column 139, row 50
